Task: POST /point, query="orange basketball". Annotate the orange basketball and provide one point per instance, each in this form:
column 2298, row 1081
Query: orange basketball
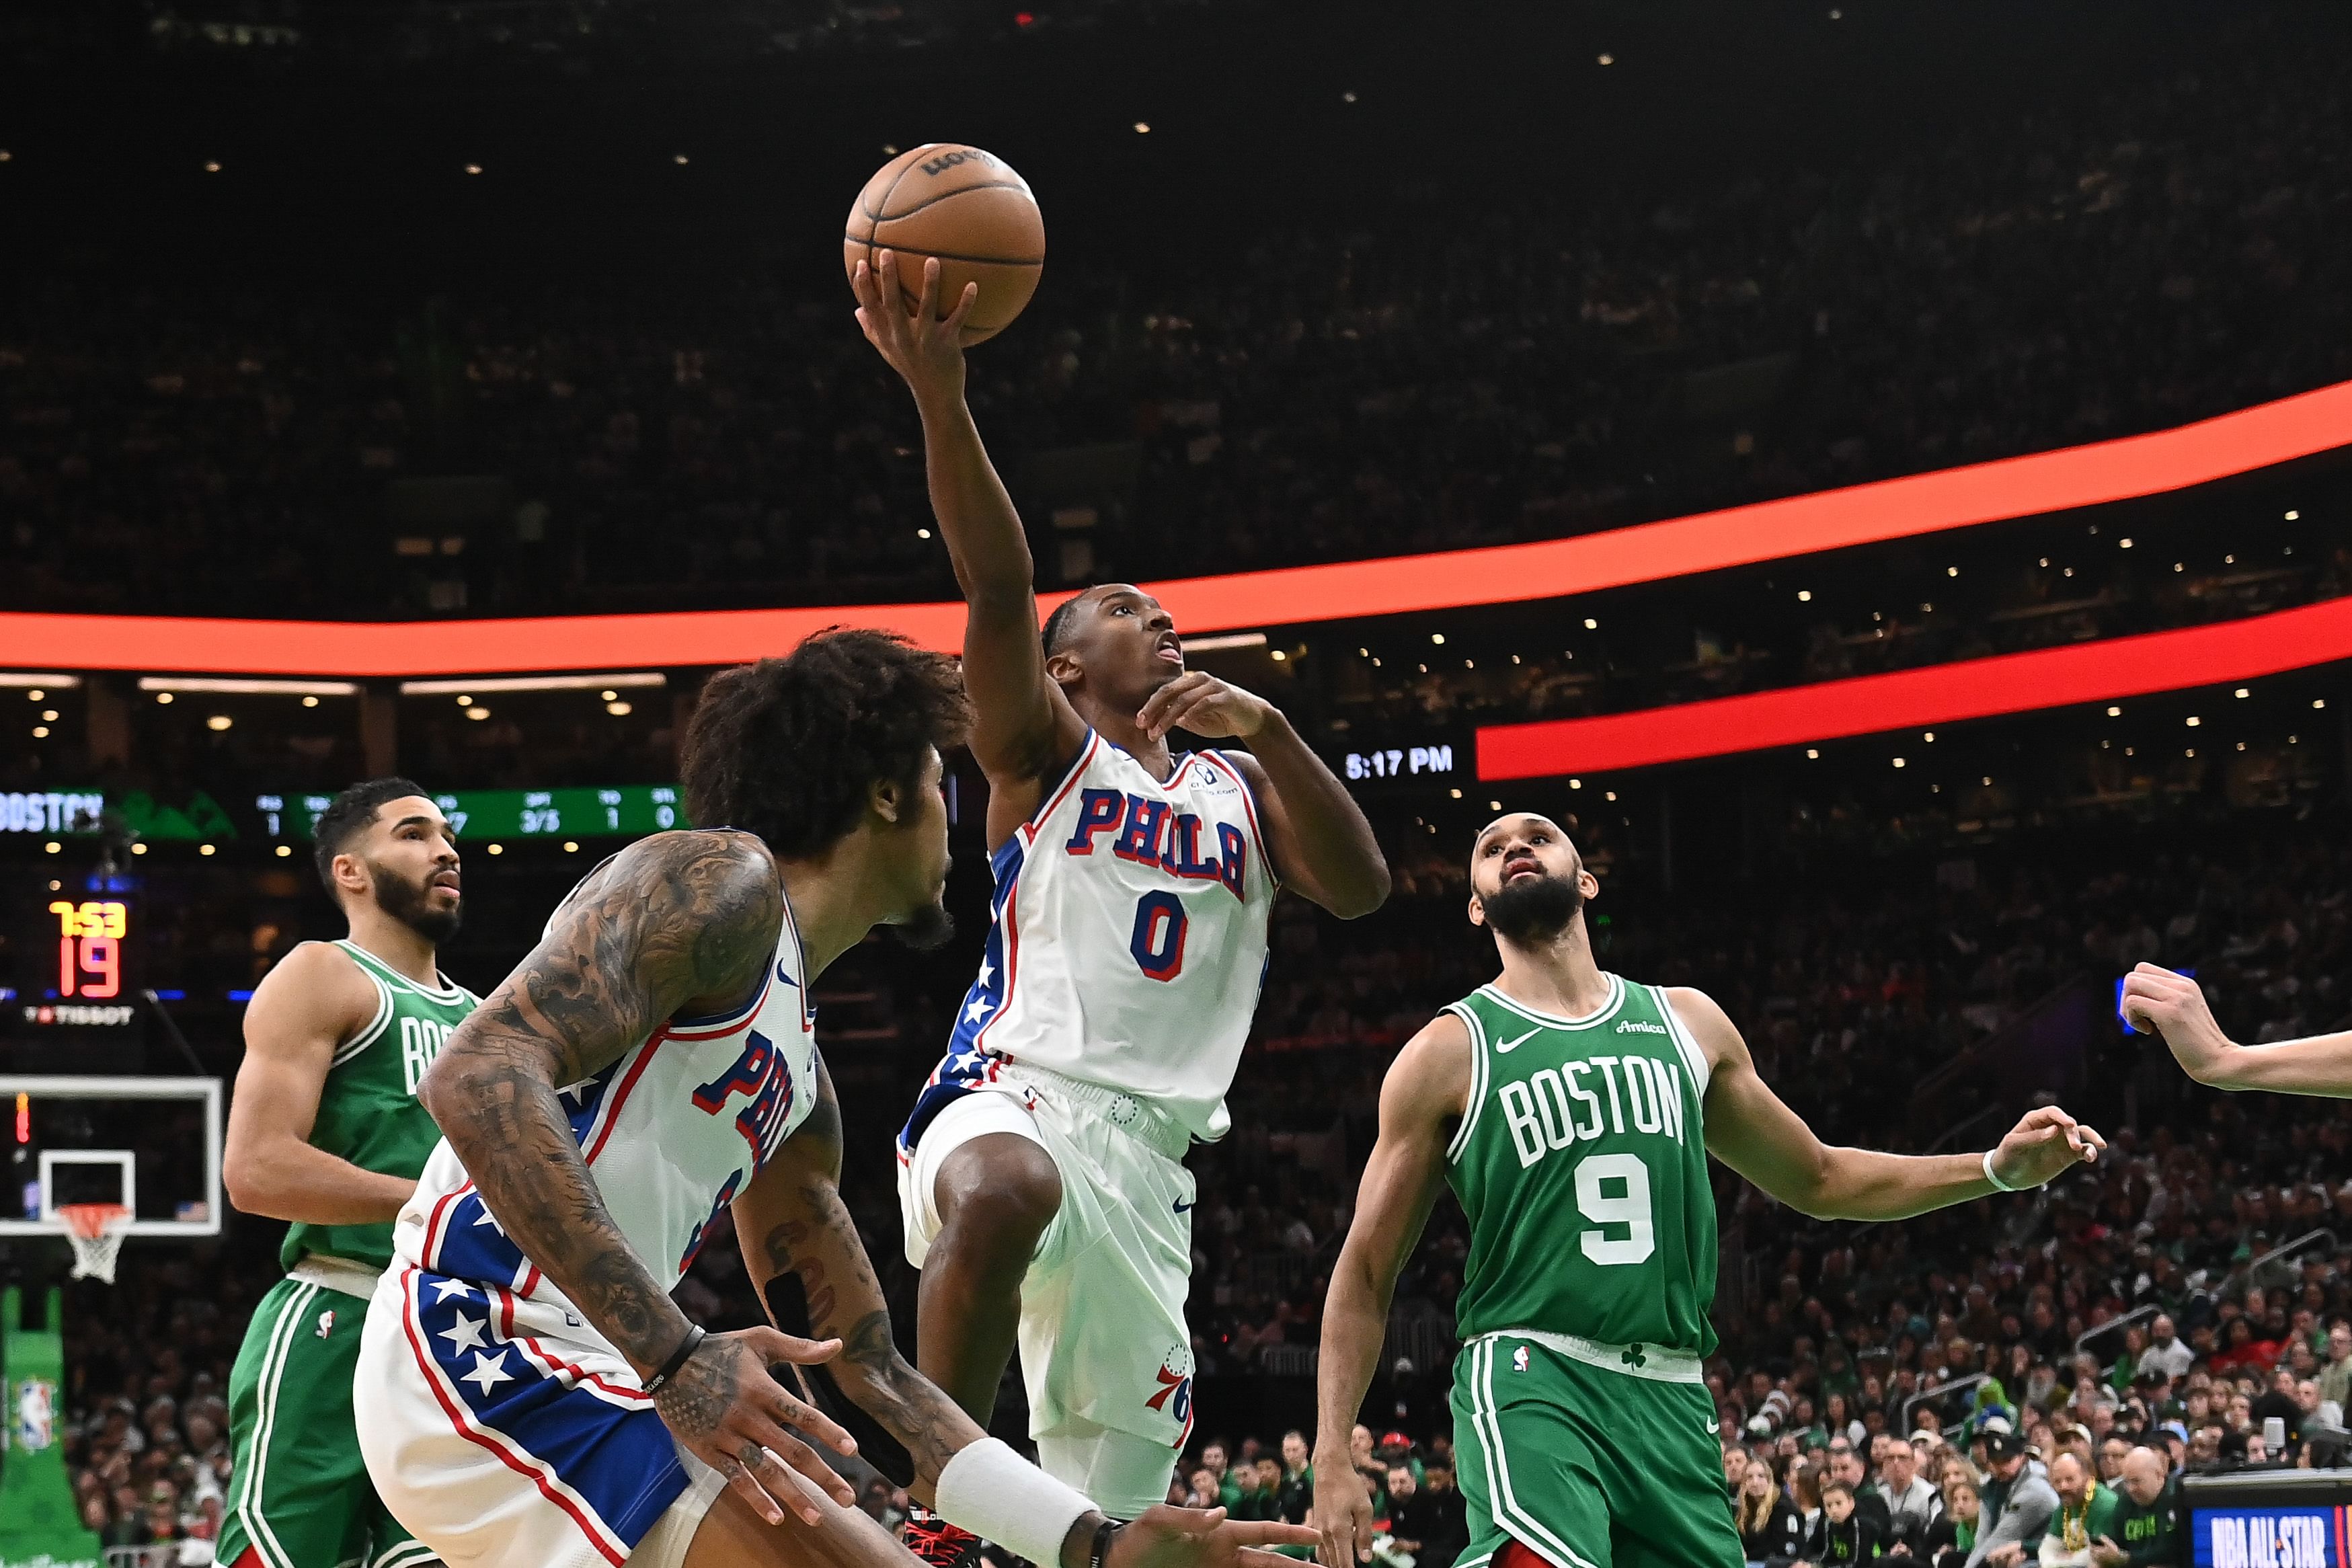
column 968, row 208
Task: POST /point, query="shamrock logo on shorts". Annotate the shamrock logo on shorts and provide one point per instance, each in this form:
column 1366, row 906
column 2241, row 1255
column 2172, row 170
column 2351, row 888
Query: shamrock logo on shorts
column 1633, row 1356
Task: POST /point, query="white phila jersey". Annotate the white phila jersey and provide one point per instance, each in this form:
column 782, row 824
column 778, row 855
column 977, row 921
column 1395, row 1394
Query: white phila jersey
column 1128, row 942
column 670, row 1133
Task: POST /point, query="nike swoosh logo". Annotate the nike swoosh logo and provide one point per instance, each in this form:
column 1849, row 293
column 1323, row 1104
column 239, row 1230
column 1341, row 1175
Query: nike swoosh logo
column 1181, row 1207
column 1505, row 1047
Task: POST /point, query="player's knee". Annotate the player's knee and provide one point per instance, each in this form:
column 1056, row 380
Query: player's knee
column 995, row 1192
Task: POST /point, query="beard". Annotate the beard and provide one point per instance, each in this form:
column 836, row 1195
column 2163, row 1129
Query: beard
column 410, row 904
column 1532, row 910
column 927, row 928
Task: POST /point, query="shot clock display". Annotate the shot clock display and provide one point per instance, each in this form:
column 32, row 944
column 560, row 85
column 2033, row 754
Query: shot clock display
column 627, row 811
column 90, row 935
column 76, row 958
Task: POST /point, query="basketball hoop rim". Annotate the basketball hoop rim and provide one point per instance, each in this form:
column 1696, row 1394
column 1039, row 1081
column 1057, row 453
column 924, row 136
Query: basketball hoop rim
column 91, row 1221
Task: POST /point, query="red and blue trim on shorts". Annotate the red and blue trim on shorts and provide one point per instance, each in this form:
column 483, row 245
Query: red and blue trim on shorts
column 592, row 1446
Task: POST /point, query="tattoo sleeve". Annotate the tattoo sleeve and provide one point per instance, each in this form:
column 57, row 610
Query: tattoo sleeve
column 676, row 917
column 813, row 1272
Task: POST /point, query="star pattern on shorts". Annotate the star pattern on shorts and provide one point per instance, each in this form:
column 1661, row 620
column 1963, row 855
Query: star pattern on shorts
column 467, row 1335
column 978, row 1008
column 448, row 1288
column 488, row 1372
column 490, row 1219
column 987, row 972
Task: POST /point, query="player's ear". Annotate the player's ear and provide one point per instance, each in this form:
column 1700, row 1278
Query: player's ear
column 1477, row 912
column 1062, row 668
column 1587, row 883
column 887, row 801
column 351, row 873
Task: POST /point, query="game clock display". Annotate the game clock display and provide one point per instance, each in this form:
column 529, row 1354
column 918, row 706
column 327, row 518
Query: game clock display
column 74, row 960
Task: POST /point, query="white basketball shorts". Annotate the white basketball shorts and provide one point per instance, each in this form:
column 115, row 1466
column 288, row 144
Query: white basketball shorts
column 1105, row 1353
column 497, row 1448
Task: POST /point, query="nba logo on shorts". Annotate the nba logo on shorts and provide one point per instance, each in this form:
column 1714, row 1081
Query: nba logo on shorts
column 326, row 1323
column 1519, row 1358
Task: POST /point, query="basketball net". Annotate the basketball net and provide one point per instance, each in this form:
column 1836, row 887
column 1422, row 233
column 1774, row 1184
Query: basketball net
column 97, row 1232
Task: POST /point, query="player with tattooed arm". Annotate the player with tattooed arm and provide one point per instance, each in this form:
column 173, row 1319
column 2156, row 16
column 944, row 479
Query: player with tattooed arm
column 528, row 1392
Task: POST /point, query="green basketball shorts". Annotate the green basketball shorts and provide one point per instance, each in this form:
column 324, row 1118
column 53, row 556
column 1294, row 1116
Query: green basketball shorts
column 1589, row 1456
column 299, row 1496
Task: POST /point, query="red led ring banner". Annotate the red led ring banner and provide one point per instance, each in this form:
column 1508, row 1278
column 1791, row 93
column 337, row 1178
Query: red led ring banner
column 1939, row 694
column 2074, row 477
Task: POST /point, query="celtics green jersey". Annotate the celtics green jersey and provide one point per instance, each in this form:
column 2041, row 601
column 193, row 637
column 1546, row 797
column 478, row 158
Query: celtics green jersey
column 1581, row 1163
column 368, row 1110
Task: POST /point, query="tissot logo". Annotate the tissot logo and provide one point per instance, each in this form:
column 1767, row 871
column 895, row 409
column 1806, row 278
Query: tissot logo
column 1639, row 1027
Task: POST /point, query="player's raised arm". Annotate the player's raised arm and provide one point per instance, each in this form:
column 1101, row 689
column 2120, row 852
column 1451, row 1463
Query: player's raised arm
column 1752, row 1129
column 1023, row 725
column 1422, row 1100
column 2158, row 1001
column 303, row 1009
column 674, row 921
column 803, row 1253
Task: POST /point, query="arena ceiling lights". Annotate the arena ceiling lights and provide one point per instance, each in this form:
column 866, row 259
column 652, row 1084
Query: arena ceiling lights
column 1909, row 699
column 2074, row 477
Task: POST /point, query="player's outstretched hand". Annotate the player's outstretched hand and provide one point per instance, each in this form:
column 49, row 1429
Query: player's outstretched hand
column 2045, row 1143
column 2158, row 1001
column 924, row 347
column 1204, row 705
column 725, row 1406
column 1342, row 1516
column 1170, row 1537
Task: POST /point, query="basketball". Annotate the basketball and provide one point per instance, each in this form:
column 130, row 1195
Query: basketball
column 965, row 207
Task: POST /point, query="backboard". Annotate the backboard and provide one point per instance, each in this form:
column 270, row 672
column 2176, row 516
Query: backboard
column 153, row 1144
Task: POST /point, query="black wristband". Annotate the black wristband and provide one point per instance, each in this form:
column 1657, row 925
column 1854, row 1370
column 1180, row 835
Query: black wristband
column 1100, row 1551
column 695, row 1335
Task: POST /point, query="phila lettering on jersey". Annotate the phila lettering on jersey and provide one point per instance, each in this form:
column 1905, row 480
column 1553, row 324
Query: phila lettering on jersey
column 671, row 1132
column 1128, row 944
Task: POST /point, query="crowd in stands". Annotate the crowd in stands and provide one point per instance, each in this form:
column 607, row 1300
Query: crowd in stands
column 1426, row 381
column 1875, row 998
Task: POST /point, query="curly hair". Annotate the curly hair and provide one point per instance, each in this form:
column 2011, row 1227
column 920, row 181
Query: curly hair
column 789, row 748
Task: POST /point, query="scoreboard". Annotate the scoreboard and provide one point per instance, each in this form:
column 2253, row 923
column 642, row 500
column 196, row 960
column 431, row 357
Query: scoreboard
column 74, row 958
column 627, row 811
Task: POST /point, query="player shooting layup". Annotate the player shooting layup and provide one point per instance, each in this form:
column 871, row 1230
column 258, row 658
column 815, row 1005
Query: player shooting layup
column 1572, row 1112
column 1041, row 1174
column 528, row 1395
column 325, row 1130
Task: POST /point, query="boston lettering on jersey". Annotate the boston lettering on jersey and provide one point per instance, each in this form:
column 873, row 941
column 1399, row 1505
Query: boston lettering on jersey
column 1151, row 833
column 1554, row 1110
column 1581, row 1161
